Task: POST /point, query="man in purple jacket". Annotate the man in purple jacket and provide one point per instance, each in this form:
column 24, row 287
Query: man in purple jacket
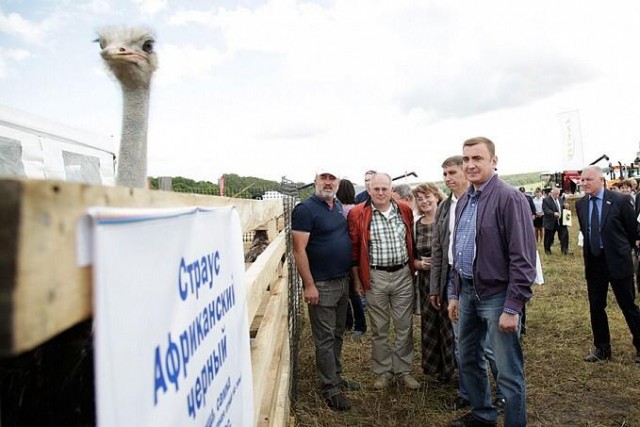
column 494, row 253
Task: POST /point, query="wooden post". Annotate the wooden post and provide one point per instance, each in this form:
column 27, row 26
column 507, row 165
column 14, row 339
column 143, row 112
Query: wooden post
column 164, row 183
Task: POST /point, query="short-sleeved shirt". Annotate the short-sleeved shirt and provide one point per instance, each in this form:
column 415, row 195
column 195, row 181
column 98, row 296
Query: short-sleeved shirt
column 329, row 246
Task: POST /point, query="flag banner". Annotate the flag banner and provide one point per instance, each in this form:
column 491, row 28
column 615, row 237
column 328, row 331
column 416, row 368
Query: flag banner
column 571, row 139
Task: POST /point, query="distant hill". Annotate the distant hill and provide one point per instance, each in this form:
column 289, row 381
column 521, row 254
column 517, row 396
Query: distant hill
column 529, row 180
column 250, row 187
column 243, row 187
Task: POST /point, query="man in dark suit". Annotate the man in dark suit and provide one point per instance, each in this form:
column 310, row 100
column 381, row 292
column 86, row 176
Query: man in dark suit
column 552, row 207
column 608, row 224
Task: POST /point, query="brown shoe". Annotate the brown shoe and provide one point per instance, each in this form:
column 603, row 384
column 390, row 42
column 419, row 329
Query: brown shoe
column 410, row 382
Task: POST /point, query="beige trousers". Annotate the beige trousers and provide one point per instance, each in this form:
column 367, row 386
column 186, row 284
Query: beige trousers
column 391, row 298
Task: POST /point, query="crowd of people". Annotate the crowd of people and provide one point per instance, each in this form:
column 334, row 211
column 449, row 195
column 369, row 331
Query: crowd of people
column 464, row 263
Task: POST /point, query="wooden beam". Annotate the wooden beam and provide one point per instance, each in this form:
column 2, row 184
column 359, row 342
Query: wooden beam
column 264, row 272
column 267, row 345
column 42, row 290
column 281, row 403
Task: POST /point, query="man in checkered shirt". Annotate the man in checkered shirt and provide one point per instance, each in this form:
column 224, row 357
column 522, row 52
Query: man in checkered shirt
column 382, row 236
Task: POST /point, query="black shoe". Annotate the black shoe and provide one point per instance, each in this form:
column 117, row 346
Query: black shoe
column 637, row 359
column 470, row 421
column 600, row 355
column 348, row 385
column 499, row 403
column 338, row 402
column 459, row 403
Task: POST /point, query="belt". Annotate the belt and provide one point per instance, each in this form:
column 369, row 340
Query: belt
column 388, row 269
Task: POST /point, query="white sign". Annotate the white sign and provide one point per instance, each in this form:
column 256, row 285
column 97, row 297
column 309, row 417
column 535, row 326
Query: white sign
column 171, row 328
column 571, row 136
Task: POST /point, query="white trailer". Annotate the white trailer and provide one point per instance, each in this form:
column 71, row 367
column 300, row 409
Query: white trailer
column 36, row 148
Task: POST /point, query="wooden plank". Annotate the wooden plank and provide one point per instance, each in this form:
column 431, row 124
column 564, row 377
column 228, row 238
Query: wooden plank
column 263, row 272
column 268, row 343
column 281, row 404
column 42, row 291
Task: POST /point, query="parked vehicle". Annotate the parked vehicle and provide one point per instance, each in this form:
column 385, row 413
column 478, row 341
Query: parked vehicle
column 569, row 180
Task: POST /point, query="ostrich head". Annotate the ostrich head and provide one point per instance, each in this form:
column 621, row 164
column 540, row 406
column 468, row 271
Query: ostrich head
column 128, row 52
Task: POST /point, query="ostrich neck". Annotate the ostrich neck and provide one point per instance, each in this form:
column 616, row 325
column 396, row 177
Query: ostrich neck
column 132, row 160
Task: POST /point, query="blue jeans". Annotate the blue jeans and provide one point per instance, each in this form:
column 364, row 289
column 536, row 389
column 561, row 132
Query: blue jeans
column 487, row 353
column 478, row 319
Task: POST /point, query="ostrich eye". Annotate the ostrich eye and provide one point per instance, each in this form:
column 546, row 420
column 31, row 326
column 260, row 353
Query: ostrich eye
column 148, row 46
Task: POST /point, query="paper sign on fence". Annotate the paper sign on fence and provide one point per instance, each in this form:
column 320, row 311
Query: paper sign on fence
column 171, row 328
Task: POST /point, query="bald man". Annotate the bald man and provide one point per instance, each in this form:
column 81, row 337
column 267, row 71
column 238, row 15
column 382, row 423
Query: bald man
column 608, row 224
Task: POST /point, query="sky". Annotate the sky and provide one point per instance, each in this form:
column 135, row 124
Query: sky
column 278, row 88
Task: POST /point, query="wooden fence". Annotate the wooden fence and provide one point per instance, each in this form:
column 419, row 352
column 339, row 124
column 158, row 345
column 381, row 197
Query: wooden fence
column 43, row 292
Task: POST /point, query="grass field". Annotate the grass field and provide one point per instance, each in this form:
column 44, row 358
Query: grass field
column 562, row 390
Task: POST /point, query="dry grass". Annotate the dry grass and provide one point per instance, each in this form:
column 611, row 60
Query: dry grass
column 562, row 389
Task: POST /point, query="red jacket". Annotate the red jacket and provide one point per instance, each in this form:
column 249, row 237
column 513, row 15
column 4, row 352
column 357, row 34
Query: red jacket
column 359, row 221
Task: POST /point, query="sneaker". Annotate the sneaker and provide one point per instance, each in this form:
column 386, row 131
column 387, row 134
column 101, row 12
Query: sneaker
column 410, row 382
column 348, row 385
column 382, row 382
column 338, row 402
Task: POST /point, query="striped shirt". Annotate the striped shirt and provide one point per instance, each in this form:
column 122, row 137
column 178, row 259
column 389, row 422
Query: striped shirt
column 388, row 244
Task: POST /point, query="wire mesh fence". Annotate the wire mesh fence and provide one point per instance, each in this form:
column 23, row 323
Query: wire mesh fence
column 291, row 196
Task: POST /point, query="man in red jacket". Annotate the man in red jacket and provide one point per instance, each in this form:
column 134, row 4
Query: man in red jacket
column 381, row 232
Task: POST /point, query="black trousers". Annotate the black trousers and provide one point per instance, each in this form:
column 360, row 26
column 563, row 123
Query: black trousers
column 598, row 280
column 563, row 236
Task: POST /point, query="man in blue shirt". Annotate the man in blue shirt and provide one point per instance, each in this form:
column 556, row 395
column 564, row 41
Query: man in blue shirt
column 322, row 250
column 494, row 260
column 363, row 196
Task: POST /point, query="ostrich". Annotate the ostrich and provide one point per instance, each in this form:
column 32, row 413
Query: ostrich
column 129, row 55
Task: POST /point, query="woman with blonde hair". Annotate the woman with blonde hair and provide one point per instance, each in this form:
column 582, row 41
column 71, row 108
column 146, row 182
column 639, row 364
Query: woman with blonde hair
column 436, row 332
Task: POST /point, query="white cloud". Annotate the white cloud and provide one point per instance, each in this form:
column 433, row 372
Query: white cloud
column 8, row 57
column 370, row 80
column 187, row 17
column 15, row 25
column 151, row 7
column 179, row 62
column 97, row 7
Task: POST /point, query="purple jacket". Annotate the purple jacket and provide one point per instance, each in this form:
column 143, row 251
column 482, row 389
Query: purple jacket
column 505, row 244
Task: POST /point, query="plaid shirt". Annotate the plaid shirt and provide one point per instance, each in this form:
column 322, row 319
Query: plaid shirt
column 465, row 243
column 388, row 244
